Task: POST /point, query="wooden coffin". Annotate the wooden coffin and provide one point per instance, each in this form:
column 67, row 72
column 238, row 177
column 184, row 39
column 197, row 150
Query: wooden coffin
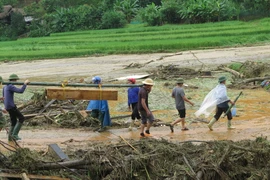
column 81, row 93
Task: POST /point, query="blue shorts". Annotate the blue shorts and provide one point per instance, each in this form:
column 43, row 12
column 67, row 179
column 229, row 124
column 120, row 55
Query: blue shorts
column 144, row 119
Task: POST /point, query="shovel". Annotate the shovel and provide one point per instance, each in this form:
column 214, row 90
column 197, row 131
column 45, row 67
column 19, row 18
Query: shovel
column 232, row 104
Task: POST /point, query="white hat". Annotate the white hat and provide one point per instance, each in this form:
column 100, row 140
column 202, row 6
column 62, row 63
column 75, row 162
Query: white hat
column 148, row 81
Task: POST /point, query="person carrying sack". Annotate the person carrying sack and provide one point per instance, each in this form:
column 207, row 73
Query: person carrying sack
column 222, row 104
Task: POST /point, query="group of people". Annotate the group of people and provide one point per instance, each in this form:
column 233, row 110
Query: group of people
column 138, row 100
column 137, row 103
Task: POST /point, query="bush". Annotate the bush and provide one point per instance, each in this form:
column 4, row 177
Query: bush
column 8, row 2
column 93, row 18
column 69, row 19
column 151, row 15
column 36, row 29
column 144, row 3
column 113, row 19
column 170, row 11
column 201, row 11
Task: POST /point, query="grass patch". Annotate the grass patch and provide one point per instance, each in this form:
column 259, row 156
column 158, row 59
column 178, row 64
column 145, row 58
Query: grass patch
column 236, row 66
column 138, row 39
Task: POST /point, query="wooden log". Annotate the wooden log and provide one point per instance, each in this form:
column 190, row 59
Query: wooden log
column 60, row 165
column 81, row 94
column 235, row 73
column 24, row 176
column 30, row 176
column 255, row 79
column 47, row 105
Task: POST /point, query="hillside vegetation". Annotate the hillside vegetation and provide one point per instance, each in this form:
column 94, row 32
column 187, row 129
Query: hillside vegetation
column 44, row 17
column 138, row 39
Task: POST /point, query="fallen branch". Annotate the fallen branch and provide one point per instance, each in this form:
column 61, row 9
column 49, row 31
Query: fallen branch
column 254, row 79
column 235, row 73
column 70, row 164
column 194, row 175
column 47, row 105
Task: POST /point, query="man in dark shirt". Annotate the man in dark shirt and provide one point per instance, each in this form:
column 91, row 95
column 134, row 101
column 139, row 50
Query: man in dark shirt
column 14, row 113
column 222, row 104
column 147, row 117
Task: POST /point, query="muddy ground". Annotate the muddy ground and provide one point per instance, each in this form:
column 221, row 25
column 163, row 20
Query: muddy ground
column 252, row 113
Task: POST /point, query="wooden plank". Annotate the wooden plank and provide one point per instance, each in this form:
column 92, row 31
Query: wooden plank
column 57, row 152
column 47, row 105
column 81, row 93
column 7, row 175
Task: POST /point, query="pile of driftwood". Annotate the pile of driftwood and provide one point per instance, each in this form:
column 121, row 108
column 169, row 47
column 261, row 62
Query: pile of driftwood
column 247, row 73
column 150, row 159
column 173, row 72
column 70, row 113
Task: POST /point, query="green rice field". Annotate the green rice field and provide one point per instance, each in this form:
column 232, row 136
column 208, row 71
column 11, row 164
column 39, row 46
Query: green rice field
column 138, row 39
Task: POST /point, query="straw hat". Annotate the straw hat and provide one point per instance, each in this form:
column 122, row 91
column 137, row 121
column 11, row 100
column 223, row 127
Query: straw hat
column 148, row 81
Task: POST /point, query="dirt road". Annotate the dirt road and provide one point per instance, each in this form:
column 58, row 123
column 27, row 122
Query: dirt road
column 252, row 122
column 112, row 66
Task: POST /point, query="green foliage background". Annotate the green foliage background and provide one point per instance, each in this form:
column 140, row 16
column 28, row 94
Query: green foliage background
column 138, row 39
column 52, row 16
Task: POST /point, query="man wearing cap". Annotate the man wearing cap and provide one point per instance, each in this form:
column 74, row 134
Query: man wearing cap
column 14, row 113
column 179, row 95
column 2, row 110
column 100, row 108
column 222, row 103
column 133, row 93
column 146, row 114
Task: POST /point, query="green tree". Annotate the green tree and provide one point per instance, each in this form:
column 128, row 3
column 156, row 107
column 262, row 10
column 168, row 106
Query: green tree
column 128, row 7
column 144, row 3
column 113, row 19
column 8, row 2
column 151, row 15
column 170, row 11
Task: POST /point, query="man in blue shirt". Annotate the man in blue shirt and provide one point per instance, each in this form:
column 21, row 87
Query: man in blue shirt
column 222, row 104
column 133, row 93
column 14, row 113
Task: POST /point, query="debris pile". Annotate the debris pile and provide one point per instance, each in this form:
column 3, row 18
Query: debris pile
column 248, row 72
column 41, row 111
column 172, row 72
column 154, row 159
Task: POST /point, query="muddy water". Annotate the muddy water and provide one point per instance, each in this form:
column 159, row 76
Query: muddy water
column 253, row 120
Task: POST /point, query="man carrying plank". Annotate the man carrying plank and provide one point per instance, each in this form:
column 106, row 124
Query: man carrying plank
column 222, row 104
column 100, row 108
column 14, row 113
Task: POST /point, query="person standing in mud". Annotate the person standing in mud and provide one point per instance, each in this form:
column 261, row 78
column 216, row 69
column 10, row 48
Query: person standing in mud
column 222, row 104
column 14, row 113
column 178, row 94
column 133, row 93
column 147, row 117
column 100, row 108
